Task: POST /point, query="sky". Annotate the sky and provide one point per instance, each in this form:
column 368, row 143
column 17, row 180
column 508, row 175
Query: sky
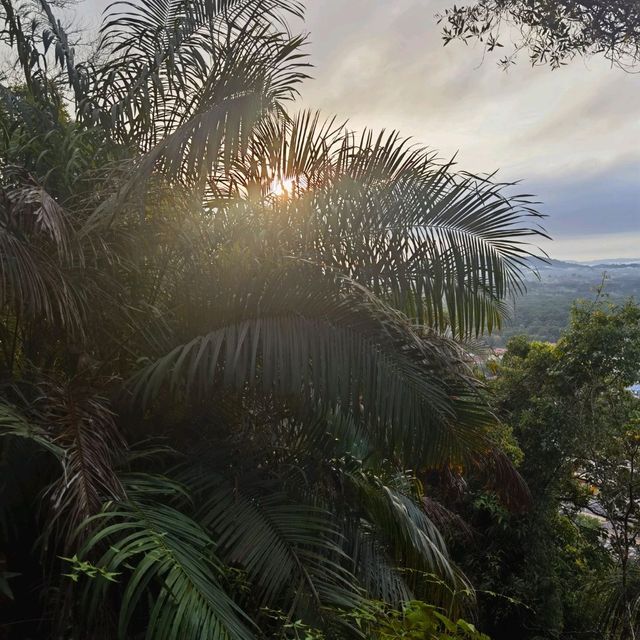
column 571, row 136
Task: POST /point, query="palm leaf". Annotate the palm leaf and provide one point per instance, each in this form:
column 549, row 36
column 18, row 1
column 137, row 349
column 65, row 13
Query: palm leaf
column 36, row 258
column 84, row 427
column 449, row 248
column 14, row 424
column 618, row 600
column 287, row 548
column 289, row 333
column 184, row 79
column 155, row 545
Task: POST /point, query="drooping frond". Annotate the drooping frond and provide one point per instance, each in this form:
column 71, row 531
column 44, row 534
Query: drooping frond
column 14, row 424
column 402, row 523
column 290, row 550
column 379, row 576
column 312, row 460
column 330, row 342
column 157, row 549
column 36, row 258
column 84, row 427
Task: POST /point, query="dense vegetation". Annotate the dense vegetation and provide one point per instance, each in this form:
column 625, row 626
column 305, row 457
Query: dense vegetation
column 230, row 338
column 235, row 393
column 568, row 566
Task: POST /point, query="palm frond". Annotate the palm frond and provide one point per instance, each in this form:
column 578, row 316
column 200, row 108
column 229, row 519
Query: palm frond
column 36, row 257
column 618, row 600
column 285, row 332
column 16, row 425
column 379, row 575
column 185, row 79
column 290, row 550
column 223, row 114
column 84, row 427
column 156, row 549
column 449, row 248
column 402, row 523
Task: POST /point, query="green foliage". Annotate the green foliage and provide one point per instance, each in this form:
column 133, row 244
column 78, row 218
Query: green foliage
column 160, row 544
column 417, row 621
column 83, row 568
column 574, row 422
column 12, row 424
column 293, row 629
column 545, row 312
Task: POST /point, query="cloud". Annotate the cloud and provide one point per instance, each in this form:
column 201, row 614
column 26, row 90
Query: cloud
column 391, row 69
column 594, row 247
column 603, row 203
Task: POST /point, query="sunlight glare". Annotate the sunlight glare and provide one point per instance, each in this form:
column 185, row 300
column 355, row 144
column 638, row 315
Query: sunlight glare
column 282, row 186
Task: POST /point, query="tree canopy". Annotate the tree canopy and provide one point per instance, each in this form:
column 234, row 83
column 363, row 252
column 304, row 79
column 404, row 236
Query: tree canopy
column 567, row 566
column 550, row 31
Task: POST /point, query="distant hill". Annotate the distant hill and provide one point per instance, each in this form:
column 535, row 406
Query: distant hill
column 615, row 263
column 544, row 311
column 597, row 263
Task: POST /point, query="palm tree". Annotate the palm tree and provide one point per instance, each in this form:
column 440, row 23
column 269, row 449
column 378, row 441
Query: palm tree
column 232, row 335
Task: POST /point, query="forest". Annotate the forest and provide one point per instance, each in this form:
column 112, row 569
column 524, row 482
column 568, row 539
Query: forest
column 237, row 397
column 553, row 287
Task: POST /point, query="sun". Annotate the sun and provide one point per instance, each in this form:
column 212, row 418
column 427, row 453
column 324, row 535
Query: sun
column 282, row 187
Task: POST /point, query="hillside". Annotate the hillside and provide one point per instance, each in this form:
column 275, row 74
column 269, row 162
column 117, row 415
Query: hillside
column 543, row 312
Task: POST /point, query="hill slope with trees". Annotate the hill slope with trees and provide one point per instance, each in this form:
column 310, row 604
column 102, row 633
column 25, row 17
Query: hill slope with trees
column 543, row 312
